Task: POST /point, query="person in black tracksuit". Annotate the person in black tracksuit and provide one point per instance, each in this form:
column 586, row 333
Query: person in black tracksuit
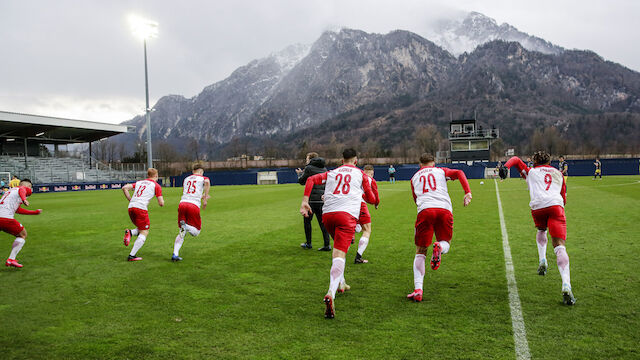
column 315, row 165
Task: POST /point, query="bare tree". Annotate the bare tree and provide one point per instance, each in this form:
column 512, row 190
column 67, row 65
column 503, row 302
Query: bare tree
column 194, row 149
column 428, row 139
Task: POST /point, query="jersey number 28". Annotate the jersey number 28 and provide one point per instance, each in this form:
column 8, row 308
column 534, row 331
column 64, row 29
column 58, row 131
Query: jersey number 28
column 346, row 186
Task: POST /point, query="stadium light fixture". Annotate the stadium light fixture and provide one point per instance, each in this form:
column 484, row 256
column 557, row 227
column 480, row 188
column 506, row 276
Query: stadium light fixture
column 145, row 29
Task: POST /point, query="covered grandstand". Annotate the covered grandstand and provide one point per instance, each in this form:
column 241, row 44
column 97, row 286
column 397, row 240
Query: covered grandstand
column 22, row 137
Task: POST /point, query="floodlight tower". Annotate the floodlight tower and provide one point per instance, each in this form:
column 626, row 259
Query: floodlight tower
column 145, row 29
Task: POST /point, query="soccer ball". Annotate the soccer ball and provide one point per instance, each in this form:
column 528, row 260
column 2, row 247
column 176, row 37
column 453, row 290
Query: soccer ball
column 481, row 182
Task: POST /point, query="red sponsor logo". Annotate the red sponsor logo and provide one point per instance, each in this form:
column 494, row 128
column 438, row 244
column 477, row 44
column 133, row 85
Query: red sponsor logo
column 44, row 189
column 60, row 188
column 104, row 186
column 90, row 187
column 75, row 187
column 116, row 186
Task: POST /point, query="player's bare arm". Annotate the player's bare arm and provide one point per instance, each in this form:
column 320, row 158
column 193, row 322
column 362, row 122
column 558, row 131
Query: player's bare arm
column 205, row 197
column 160, row 200
column 305, row 208
column 126, row 189
column 467, row 199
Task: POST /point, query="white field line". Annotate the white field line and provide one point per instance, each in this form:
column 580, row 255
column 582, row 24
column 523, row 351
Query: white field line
column 517, row 321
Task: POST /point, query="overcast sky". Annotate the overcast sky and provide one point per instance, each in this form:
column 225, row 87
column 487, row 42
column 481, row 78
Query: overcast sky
column 78, row 59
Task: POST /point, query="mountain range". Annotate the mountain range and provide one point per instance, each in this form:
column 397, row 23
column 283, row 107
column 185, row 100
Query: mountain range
column 351, row 86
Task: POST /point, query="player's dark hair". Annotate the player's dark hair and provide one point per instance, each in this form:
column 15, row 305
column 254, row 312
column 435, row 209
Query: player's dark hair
column 197, row 166
column 312, row 155
column 541, row 158
column 426, row 158
column 26, row 180
column 349, row 153
column 561, row 157
column 368, row 167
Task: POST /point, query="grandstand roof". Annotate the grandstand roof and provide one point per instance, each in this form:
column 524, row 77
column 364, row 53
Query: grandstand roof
column 54, row 130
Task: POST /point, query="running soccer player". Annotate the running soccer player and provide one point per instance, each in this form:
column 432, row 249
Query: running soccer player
column 547, row 190
column 364, row 220
column 9, row 206
column 598, row 171
column 345, row 187
column 143, row 191
column 195, row 193
column 563, row 167
column 430, row 193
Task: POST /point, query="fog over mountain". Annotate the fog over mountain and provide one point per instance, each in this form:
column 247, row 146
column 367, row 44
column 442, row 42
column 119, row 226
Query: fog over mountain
column 469, row 64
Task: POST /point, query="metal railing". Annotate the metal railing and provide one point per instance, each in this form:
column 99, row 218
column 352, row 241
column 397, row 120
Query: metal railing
column 488, row 134
column 49, row 170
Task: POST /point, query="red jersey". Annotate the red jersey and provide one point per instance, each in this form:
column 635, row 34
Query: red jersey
column 11, row 201
column 429, row 187
column 374, row 188
column 143, row 192
column 546, row 184
column 344, row 190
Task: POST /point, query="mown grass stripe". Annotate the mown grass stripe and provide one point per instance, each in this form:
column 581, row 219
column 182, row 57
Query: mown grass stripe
column 517, row 321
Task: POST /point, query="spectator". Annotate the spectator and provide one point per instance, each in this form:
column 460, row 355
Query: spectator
column 315, row 165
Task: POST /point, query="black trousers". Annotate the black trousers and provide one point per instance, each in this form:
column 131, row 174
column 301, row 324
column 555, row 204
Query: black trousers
column 317, row 211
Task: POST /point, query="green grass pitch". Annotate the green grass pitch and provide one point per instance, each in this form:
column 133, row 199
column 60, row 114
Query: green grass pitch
column 247, row 290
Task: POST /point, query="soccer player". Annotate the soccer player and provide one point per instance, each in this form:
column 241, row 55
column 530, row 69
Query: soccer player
column 430, row 193
column 143, row 191
column 364, row 220
column 563, row 167
column 195, row 193
column 598, row 171
column 9, row 206
column 345, row 187
column 15, row 182
column 547, row 189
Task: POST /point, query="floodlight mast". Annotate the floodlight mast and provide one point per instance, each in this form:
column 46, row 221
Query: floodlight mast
column 145, row 29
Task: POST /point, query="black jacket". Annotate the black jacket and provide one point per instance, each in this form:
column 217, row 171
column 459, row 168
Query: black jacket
column 315, row 166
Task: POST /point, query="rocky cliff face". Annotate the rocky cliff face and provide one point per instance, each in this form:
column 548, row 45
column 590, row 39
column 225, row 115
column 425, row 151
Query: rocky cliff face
column 344, row 72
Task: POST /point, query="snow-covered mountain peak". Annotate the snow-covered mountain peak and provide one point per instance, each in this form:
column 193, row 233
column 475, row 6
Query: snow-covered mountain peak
column 288, row 57
column 464, row 34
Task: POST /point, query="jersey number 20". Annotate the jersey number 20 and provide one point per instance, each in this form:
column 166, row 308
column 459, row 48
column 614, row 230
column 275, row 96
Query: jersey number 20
column 429, row 180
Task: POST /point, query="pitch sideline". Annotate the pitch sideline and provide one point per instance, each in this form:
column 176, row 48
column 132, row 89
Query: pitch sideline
column 517, row 321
